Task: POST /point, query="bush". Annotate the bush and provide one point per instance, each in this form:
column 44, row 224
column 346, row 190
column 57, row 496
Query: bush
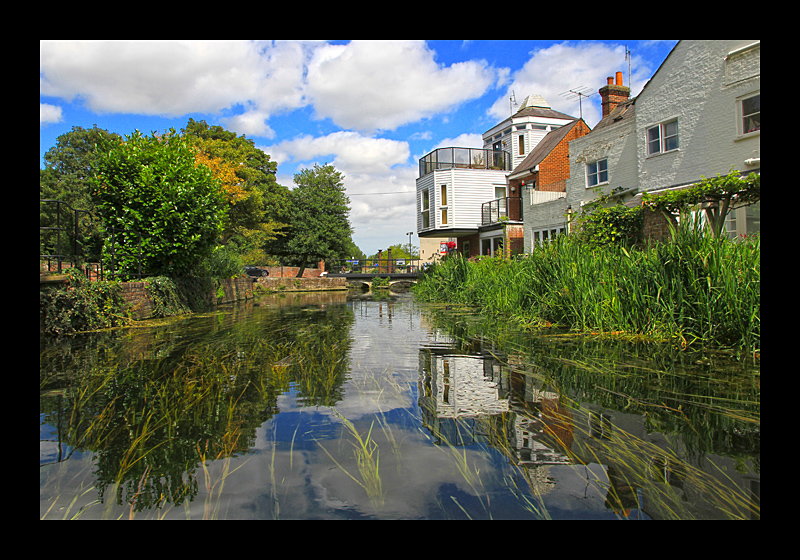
column 81, row 306
column 152, row 186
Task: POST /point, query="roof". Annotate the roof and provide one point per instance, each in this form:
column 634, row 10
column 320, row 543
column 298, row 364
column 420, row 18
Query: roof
column 622, row 112
column 543, row 148
column 534, row 106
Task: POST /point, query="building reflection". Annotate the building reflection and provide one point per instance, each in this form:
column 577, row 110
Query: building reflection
column 473, row 393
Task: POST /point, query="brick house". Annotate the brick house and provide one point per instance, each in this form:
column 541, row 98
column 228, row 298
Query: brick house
column 540, row 179
column 698, row 116
column 463, row 194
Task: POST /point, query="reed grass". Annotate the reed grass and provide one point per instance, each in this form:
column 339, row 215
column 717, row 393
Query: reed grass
column 693, row 290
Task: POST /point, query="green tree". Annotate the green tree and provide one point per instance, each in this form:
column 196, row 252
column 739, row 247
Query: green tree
column 257, row 205
column 69, row 167
column 319, row 225
column 151, row 185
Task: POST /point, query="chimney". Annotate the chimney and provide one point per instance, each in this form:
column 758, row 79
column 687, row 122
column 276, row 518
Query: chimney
column 612, row 94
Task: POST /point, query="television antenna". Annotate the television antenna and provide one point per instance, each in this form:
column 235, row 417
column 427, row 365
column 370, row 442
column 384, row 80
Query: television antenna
column 578, row 93
column 512, row 100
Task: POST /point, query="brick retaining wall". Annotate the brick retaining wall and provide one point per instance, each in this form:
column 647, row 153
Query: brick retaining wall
column 135, row 293
column 303, row 284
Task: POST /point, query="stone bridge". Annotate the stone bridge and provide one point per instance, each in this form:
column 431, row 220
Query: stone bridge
column 367, row 278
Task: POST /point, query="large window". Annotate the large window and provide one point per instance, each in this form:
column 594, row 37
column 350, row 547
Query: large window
column 597, row 172
column 662, row 138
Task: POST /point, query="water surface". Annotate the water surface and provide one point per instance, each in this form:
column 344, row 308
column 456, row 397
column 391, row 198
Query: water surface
column 316, row 406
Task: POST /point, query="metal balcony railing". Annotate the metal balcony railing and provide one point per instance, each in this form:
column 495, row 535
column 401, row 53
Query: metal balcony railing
column 497, row 210
column 465, row 158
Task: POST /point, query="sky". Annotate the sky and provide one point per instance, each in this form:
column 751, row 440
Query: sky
column 370, row 108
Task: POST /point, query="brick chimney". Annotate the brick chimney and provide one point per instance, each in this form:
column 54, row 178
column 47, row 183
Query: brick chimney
column 613, row 94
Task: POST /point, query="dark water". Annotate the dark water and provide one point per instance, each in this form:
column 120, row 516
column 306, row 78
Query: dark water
column 318, row 407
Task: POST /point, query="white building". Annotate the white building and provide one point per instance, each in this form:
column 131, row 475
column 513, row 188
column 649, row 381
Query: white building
column 698, row 116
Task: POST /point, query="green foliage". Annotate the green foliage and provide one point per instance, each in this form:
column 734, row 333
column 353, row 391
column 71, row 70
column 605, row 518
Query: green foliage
column 260, row 211
column 178, row 296
column 695, row 288
column 617, row 225
column 320, row 225
column 81, row 305
column 69, row 167
column 718, row 195
column 150, row 185
column 223, row 262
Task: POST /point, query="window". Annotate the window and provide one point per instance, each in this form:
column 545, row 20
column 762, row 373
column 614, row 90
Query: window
column 521, row 145
column 426, row 206
column 751, row 114
column 597, row 172
column 444, row 216
column 542, row 236
column 499, row 192
column 444, row 195
column 662, row 138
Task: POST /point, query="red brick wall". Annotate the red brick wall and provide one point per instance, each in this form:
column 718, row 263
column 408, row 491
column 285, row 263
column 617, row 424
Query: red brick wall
column 555, row 167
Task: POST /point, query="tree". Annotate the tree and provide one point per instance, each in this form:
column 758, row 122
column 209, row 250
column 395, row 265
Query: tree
column 257, row 205
column 319, row 225
column 69, row 168
column 151, row 185
column 717, row 196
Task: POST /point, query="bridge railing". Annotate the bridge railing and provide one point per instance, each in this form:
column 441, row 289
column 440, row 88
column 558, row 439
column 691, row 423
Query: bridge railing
column 374, row 266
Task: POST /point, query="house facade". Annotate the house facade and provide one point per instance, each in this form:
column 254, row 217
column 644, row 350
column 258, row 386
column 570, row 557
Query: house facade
column 464, row 196
column 698, row 116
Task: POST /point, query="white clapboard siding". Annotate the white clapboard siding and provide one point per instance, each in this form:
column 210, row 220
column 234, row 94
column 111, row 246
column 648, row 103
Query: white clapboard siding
column 467, row 190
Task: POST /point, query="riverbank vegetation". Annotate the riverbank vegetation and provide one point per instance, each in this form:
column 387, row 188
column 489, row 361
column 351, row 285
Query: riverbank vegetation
column 695, row 290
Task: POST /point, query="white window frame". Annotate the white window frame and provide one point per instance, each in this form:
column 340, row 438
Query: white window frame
column 657, row 145
column 545, row 235
column 597, row 174
column 425, row 209
column 740, row 116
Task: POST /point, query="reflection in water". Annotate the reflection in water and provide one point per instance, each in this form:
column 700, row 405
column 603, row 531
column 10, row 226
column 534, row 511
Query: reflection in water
column 313, row 406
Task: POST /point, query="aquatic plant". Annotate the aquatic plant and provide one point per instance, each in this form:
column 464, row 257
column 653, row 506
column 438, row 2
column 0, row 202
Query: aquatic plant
column 696, row 288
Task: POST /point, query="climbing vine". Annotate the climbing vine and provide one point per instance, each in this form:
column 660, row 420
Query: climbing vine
column 81, row 305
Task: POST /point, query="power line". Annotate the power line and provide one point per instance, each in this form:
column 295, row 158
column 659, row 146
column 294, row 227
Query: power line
column 374, row 193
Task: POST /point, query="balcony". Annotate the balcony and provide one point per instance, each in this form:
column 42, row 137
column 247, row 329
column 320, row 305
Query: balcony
column 501, row 209
column 465, row 158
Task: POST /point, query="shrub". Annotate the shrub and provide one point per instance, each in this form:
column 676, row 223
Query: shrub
column 81, row 305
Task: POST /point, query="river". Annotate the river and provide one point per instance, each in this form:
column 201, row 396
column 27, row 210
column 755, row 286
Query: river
column 334, row 406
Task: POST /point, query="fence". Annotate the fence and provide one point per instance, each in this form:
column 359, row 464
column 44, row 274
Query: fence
column 61, row 241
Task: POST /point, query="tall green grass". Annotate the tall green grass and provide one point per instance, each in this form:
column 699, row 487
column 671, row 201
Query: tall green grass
column 694, row 289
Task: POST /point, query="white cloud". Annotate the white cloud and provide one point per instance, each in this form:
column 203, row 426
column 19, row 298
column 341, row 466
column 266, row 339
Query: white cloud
column 552, row 71
column 49, row 114
column 173, row 78
column 381, row 85
column 348, row 151
column 370, row 166
column 251, row 123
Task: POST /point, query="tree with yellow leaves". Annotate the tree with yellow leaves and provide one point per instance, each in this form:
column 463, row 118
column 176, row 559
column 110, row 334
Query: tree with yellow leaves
column 258, row 207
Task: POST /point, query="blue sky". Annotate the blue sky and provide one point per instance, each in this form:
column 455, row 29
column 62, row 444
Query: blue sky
column 372, row 109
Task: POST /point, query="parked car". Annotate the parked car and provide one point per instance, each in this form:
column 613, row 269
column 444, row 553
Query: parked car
column 255, row 271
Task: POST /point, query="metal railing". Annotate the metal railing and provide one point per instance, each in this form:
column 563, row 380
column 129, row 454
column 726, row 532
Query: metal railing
column 69, row 248
column 509, row 208
column 466, row 158
column 58, row 251
column 374, row 266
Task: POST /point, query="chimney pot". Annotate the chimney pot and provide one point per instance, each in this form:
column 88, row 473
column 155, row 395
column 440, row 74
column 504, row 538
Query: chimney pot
column 613, row 94
column 610, row 80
